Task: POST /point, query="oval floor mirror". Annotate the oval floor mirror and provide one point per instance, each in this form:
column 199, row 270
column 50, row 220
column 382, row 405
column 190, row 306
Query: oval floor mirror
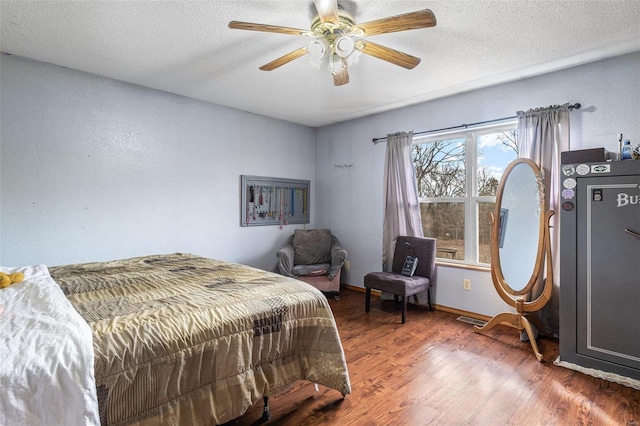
column 520, row 248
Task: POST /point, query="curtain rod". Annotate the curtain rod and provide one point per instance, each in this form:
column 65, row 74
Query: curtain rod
column 464, row 126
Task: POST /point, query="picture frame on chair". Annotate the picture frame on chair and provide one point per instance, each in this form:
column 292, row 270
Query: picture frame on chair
column 410, row 265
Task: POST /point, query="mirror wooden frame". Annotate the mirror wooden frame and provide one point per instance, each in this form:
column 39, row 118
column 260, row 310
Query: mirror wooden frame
column 523, row 318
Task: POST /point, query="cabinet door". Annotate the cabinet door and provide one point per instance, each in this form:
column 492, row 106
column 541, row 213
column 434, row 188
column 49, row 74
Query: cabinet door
column 608, row 290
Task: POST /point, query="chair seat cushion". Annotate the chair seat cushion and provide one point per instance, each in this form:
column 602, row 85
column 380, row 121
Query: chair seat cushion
column 319, row 269
column 396, row 284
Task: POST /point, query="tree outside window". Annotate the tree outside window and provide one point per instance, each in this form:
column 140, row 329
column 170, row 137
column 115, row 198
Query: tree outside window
column 457, row 178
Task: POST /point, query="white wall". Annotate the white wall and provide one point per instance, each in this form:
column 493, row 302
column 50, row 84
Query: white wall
column 349, row 201
column 95, row 169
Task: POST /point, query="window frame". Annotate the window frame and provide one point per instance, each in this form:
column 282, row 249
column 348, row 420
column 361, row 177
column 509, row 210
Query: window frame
column 471, row 199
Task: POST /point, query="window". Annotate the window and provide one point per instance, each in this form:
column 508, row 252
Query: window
column 457, row 176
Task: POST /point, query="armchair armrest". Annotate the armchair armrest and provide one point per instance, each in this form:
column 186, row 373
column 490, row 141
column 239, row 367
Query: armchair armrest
column 285, row 260
column 338, row 256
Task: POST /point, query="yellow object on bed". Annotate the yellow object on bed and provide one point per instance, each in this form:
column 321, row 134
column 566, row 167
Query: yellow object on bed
column 187, row 340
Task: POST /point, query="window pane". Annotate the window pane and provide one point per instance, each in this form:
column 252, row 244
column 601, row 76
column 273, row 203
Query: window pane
column 455, row 205
column 445, row 222
column 495, row 152
column 440, row 168
column 484, row 232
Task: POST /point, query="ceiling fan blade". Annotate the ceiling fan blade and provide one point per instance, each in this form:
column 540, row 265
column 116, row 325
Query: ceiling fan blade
column 387, row 54
column 408, row 21
column 327, row 10
column 341, row 77
column 284, row 59
column 237, row 25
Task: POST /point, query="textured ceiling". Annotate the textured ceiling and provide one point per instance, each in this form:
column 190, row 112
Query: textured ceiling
column 185, row 47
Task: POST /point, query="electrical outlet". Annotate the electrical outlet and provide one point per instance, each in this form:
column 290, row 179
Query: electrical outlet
column 466, row 284
column 347, row 265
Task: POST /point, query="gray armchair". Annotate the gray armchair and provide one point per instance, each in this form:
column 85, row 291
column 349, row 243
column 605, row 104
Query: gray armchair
column 314, row 256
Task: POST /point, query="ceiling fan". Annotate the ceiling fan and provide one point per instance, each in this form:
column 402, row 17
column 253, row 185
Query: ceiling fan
column 337, row 40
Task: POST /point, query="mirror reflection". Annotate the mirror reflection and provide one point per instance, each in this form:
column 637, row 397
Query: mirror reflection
column 519, row 216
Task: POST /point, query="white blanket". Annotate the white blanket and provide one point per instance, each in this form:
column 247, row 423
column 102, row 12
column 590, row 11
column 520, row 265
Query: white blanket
column 46, row 355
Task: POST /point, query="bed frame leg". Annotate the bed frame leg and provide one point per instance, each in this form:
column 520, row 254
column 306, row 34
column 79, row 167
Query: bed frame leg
column 266, row 415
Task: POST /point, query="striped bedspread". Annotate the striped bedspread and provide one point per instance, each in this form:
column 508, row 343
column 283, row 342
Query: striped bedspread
column 181, row 339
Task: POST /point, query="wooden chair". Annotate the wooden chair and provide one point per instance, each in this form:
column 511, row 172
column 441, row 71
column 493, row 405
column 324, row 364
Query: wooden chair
column 401, row 285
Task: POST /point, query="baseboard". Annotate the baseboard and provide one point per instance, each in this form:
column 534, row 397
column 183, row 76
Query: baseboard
column 360, row 289
column 437, row 307
column 462, row 312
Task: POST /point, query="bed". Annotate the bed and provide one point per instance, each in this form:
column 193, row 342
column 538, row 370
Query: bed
column 182, row 339
column 46, row 372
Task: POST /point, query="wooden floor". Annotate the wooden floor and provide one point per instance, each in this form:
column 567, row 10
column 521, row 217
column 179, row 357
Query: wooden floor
column 437, row 370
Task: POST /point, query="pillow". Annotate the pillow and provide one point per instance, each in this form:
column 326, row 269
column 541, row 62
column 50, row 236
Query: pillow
column 9, row 275
column 28, row 271
column 311, row 246
column 7, row 279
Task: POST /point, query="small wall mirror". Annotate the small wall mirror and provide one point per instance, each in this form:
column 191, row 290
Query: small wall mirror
column 519, row 248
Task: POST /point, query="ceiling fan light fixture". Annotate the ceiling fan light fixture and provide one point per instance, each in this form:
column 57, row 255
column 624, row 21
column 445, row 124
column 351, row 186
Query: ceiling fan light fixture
column 317, row 51
column 344, row 46
column 353, row 58
column 335, row 64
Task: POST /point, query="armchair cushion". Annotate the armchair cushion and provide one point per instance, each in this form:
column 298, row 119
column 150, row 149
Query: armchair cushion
column 311, row 246
column 319, row 269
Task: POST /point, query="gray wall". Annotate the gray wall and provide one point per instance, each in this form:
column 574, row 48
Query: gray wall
column 95, row 169
column 349, row 201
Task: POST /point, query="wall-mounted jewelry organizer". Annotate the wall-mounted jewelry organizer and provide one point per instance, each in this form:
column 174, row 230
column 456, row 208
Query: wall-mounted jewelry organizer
column 273, row 201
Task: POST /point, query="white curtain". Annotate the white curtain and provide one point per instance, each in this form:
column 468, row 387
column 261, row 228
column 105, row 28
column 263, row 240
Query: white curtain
column 543, row 133
column 401, row 205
